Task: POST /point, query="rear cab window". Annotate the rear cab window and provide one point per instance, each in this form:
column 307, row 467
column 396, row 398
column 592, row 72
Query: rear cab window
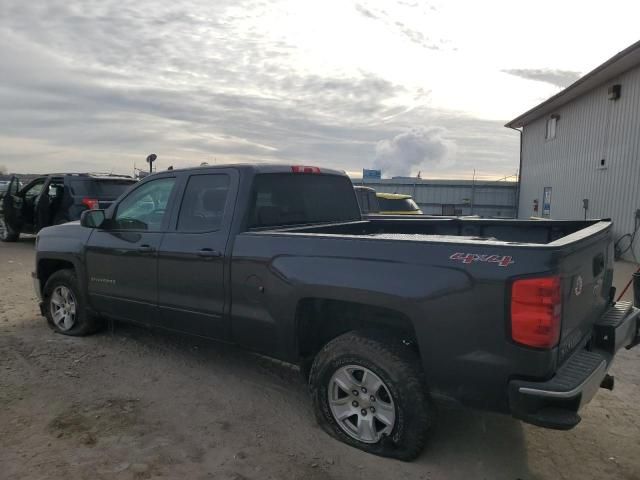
column 290, row 199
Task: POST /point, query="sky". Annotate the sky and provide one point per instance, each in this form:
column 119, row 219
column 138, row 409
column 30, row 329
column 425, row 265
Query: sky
column 406, row 86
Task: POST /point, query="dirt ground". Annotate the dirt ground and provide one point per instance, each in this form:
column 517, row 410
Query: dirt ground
column 144, row 404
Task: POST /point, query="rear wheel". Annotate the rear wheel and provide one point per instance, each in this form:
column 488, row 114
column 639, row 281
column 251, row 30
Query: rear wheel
column 7, row 234
column 369, row 392
column 65, row 307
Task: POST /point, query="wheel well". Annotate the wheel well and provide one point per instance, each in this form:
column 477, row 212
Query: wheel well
column 321, row 320
column 48, row 267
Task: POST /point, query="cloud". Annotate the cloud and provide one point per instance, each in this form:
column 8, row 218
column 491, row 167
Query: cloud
column 97, row 87
column 559, row 78
column 365, row 11
column 414, row 149
column 412, row 34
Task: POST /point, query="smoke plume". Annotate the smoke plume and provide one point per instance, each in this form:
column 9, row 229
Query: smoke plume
column 416, row 149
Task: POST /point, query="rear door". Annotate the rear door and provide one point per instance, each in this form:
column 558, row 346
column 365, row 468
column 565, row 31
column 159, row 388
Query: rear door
column 47, row 202
column 122, row 258
column 192, row 261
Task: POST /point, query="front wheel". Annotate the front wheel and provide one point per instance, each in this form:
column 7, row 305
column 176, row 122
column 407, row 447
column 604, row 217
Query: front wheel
column 369, row 392
column 64, row 305
column 7, row 234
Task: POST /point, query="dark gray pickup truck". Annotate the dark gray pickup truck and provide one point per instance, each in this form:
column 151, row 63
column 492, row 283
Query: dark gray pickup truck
column 386, row 317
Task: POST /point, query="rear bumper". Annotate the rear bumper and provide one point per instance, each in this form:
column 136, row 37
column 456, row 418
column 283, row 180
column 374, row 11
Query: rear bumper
column 555, row 403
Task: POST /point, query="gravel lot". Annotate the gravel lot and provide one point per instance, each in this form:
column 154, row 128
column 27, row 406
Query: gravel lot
column 144, row 404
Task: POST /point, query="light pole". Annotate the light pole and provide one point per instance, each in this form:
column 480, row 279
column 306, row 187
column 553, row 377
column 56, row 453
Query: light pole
column 150, row 159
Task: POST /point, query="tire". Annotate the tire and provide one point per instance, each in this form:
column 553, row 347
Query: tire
column 62, row 294
column 402, row 411
column 7, row 234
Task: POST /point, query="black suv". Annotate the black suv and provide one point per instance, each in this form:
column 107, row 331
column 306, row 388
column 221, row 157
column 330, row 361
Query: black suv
column 55, row 198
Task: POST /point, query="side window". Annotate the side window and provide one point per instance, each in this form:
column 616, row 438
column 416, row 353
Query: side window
column 34, row 190
column 56, row 190
column 14, row 186
column 552, row 125
column 145, row 208
column 366, row 208
column 373, row 202
column 362, row 195
column 203, row 203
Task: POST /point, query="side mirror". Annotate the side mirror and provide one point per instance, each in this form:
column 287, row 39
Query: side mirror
column 92, row 218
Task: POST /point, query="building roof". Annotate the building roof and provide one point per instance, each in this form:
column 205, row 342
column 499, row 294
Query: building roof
column 380, row 182
column 616, row 65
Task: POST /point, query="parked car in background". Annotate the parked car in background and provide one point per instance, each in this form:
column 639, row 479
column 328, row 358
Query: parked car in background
column 397, row 204
column 54, row 199
column 367, row 200
column 384, row 315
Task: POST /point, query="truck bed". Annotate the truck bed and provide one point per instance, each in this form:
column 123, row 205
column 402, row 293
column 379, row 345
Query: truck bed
column 462, row 230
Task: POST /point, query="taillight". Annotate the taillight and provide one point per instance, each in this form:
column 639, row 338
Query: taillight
column 90, row 203
column 536, row 307
column 304, row 169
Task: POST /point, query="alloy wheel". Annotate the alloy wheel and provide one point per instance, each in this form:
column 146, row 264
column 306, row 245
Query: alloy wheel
column 63, row 308
column 361, row 403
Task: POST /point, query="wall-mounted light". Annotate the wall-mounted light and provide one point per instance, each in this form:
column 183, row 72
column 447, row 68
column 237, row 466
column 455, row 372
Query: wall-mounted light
column 613, row 93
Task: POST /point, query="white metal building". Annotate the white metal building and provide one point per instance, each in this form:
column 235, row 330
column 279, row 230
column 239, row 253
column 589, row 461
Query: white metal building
column 454, row 197
column 580, row 149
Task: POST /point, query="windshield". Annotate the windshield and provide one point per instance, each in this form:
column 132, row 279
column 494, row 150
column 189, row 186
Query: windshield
column 397, row 205
column 107, row 189
column 290, row 199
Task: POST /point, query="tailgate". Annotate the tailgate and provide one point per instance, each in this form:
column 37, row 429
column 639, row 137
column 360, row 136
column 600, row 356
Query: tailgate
column 586, row 273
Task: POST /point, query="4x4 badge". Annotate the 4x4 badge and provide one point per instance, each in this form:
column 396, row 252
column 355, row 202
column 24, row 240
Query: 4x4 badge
column 503, row 261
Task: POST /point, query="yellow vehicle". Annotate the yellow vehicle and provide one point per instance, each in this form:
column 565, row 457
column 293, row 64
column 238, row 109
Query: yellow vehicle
column 397, row 204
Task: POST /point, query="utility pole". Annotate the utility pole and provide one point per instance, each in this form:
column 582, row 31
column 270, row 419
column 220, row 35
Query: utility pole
column 473, row 190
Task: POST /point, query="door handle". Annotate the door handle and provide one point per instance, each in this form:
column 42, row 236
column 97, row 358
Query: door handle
column 145, row 249
column 209, row 253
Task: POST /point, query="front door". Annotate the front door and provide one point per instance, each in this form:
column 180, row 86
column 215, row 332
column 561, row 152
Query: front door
column 19, row 207
column 11, row 207
column 192, row 262
column 122, row 257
